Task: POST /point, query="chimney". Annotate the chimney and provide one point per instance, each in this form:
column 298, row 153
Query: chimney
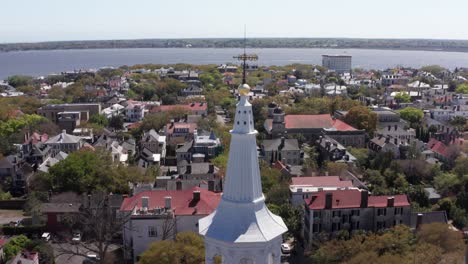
column 364, row 198
column 167, row 202
column 144, row 201
column 390, row 201
column 419, row 219
column 328, row 200
column 196, row 195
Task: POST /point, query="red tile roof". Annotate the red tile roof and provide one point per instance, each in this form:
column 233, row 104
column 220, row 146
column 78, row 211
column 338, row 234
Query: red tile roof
column 321, row 181
column 352, row 199
column 191, row 107
column 315, row 121
column 170, row 128
column 182, row 201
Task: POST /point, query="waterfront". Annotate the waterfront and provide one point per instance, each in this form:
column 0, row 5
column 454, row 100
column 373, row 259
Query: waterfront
column 37, row 63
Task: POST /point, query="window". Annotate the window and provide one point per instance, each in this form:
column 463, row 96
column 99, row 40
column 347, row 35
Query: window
column 152, row 231
column 382, row 211
column 344, row 219
column 398, row 210
column 316, row 213
column 381, row 224
column 336, row 213
column 336, row 227
column 355, row 212
column 315, row 228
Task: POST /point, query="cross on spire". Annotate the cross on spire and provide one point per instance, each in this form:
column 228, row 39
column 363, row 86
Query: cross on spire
column 244, row 58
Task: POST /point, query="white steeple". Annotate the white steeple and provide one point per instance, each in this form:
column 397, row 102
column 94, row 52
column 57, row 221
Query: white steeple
column 242, row 229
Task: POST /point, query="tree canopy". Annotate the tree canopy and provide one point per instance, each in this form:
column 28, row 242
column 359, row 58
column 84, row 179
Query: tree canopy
column 462, row 88
column 85, row 171
column 411, row 114
column 188, row 247
column 362, row 117
column 433, row 243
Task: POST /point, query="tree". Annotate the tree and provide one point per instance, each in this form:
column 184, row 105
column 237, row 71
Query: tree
column 402, row 97
column 46, row 252
column 462, row 88
column 15, row 245
column 459, row 122
column 98, row 119
column 116, row 122
column 86, row 171
column 188, row 247
column 362, row 117
column 439, row 234
column 19, row 80
column 411, row 114
column 99, row 223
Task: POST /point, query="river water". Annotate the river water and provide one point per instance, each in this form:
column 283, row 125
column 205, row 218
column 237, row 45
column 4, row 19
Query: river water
column 38, row 63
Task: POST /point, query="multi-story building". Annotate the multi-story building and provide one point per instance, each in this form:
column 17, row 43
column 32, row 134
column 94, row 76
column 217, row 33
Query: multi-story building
column 304, row 187
column 52, row 111
column 312, row 127
column 281, row 149
column 65, row 142
column 337, row 63
column 394, row 79
column 352, row 210
column 158, row 215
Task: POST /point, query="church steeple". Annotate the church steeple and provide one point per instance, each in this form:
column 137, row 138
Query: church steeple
column 242, row 229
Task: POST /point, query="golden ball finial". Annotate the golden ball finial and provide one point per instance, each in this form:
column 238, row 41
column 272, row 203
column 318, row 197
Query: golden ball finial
column 244, row 89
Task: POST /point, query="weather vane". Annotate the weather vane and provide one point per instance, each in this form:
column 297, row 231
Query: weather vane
column 245, row 57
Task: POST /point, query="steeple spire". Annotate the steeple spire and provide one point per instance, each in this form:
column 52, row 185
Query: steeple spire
column 242, row 229
column 245, row 57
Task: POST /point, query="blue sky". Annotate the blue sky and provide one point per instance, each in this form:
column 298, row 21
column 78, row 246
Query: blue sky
column 46, row 20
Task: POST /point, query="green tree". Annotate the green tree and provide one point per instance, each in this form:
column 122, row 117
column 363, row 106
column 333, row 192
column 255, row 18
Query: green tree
column 15, row 245
column 462, row 88
column 86, row 171
column 98, row 119
column 116, row 122
column 402, row 97
column 187, row 247
column 20, row 80
column 411, row 114
column 362, row 117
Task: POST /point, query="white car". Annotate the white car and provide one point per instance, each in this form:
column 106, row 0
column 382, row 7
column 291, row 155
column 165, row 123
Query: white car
column 76, row 238
column 285, row 248
column 45, row 236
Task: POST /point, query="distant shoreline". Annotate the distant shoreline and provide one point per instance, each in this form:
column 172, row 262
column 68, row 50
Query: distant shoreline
column 255, row 43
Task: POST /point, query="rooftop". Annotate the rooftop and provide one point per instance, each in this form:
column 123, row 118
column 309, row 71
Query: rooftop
column 352, row 199
column 316, row 121
column 182, row 201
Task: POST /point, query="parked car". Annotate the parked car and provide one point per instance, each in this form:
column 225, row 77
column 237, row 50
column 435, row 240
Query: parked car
column 45, row 236
column 285, row 248
column 91, row 259
column 76, row 238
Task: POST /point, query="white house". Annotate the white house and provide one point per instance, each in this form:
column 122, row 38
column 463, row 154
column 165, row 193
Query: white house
column 159, row 214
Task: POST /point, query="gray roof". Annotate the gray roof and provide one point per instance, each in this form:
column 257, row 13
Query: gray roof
column 186, row 147
column 429, row 217
column 60, row 207
column 432, row 193
column 63, row 138
column 275, row 144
